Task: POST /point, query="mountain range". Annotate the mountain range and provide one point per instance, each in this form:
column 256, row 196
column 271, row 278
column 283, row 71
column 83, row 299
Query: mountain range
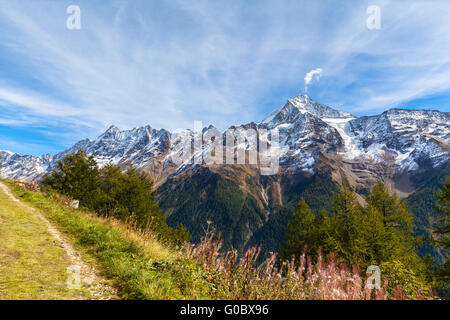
column 320, row 148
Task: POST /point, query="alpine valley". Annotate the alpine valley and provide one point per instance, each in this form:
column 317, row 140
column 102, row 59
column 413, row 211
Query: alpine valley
column 320, row 149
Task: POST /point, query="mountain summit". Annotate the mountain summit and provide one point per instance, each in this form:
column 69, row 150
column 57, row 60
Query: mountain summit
column 302, row 104
column 402, row 139
column 319, row 149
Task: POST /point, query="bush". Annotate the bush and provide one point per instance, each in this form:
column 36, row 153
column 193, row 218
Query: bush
column 127, row 196
column 367, row 235
column 327, row 278
column 397, row 276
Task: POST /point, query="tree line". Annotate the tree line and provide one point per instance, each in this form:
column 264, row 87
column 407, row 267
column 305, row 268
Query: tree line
column 110, row 192
column 380, row 232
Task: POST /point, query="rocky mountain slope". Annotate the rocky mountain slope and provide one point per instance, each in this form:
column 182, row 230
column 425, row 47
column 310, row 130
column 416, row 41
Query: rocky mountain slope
column 318, row 146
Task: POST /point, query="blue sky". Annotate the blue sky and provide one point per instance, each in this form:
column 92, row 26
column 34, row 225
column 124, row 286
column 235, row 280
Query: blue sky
column 168, row 63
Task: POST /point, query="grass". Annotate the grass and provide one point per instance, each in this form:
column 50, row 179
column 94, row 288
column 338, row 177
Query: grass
column 328, row 278
column 32, row 266
column 139, row 265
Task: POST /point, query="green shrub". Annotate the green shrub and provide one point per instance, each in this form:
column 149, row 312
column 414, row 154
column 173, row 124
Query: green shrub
column 367, row 235
column 396, row 275
column 127, row 196
column 139, row 265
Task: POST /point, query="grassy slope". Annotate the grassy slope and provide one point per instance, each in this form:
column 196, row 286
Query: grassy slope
column 140, row 266
column 32, row 265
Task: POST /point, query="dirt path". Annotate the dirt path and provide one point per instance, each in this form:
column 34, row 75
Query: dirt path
column 89, row 276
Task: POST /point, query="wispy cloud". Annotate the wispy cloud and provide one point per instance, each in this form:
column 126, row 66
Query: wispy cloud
column 169, row 63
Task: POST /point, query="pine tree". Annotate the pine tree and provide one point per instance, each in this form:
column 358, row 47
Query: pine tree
column 376, row 233
column 395, row 213
column 76, row 176
column 127, row 196
column 397, row 239
column 341, row 238
column 301, row 233
column 443, row 228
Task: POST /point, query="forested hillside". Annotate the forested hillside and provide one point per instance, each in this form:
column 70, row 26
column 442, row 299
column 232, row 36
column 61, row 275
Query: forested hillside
column 318, row 193
column 422, row 203
column 208, row 196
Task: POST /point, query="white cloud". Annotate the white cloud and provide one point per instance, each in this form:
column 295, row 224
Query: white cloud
column 312, row 75
column 132, row 64
column 35, row 102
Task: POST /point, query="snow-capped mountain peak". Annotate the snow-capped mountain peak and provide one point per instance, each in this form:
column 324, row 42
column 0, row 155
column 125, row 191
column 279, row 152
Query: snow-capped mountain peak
column 407, row 139
column 300, row 105
column 305, row 104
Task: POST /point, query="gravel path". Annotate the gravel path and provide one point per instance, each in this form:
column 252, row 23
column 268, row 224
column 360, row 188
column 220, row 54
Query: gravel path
column 90, row 277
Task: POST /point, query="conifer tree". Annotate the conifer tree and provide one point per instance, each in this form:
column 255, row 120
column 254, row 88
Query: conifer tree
column 398, row 242
column 76, row 176
column 376, row 233
column 128, row 196
column 340, row 239
column 443, row 228
column 301, row 233
column 395, row 213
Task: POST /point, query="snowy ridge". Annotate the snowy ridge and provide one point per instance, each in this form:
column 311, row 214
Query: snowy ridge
column 405, row 139
column 302, row 104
